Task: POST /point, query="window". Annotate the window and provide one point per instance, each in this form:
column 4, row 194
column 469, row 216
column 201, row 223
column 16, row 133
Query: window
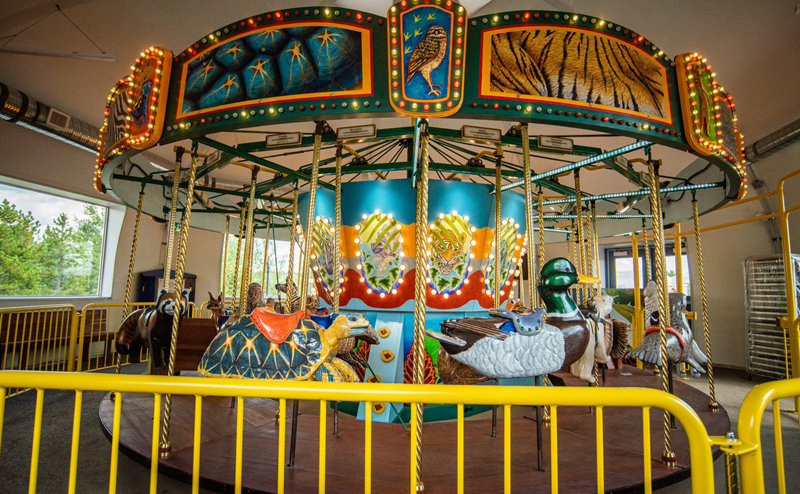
column 51, row 245
column 619, row 267
column 277, row 260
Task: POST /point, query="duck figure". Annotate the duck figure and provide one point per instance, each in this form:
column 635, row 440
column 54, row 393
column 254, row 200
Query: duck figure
column 511, row 345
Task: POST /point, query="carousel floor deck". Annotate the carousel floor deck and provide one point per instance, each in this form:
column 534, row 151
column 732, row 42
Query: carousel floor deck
column 390, row 446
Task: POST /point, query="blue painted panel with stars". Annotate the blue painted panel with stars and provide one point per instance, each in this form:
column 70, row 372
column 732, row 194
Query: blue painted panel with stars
column 303, row 59
column 426, row 46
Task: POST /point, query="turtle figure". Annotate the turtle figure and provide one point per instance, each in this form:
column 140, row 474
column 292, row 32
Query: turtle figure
column 265, row 345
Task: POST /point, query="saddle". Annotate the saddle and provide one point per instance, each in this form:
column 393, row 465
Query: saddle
column 524, row 324
column 670, row 330
column 276, row 327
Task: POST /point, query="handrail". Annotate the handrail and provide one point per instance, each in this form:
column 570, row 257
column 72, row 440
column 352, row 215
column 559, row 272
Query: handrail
column 750, row 417
column 700, row 452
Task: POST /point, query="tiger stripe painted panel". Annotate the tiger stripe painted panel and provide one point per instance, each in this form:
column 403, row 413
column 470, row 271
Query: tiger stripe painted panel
column 577, row 67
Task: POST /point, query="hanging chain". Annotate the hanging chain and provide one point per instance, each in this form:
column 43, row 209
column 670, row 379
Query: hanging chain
column 129, row 283
column 308, row 234
column 165, row 448
column 668, row 455
column 337, row 229
column 712, row 404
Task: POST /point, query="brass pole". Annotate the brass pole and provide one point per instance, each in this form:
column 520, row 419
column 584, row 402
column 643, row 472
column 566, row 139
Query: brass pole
column 165, row 448
column 589, row 253
column 308, row 234
column 292, row 241
column 668, row 456
column 176, row 181
column 266, row 256
column 579, row 224
column 238, row 256
column 647, row 274
column 225, row 257
column 526, row 171
column 498, row 178
column 247, row 262
column 712, row 404
column 596, row 251
column 129, row 283
column 337, row 228
column 541, row 240
column 421, row 286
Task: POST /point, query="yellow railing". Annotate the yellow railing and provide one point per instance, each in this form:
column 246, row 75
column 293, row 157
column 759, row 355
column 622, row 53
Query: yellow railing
column 700, row 453
column 750, row 448
column 37, row 338
column 96, row 329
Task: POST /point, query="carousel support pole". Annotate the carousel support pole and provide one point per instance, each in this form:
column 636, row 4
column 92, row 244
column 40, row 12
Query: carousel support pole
column 165, row 447
column 247, row 262
column 129, row 283
column 238, row 255
column 308, row 233
column 580, row 238
column 540, row 199
column 337, row 228
column 596, row 250
column 712, row 404
column 225, row 257
column 498, row 207
column 668, row 456
column 526, row 171
column 293, row 441
column 572, row 253
column 637, row 303
column 264, row 289
column 590, row 291
column 176, row 181
column 420, row 288
column 647, row 274
column 292, row 242
column 337, row 257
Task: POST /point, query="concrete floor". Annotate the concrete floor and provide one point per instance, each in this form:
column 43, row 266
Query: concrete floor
column 94, row 458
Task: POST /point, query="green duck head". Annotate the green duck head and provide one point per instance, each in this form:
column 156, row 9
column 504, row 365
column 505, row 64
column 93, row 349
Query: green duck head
column 557, row 276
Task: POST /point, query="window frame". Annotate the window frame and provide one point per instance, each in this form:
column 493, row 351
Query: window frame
column 112, row 228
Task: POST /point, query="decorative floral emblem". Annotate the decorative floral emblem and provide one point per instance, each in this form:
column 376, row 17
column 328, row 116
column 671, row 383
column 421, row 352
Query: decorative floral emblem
column 510, row 253
column 380, row 242
column 323, row 254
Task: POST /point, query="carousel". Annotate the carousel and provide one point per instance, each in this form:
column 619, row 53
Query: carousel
column 397, row 153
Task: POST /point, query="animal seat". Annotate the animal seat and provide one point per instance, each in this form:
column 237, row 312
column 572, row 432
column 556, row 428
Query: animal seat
column 670, row 330
column 276, row 327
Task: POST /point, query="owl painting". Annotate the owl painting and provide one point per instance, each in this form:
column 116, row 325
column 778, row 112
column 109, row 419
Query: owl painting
column 427, row 56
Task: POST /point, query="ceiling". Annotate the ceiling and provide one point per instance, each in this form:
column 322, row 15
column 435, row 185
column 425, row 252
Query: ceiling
column 754, row 48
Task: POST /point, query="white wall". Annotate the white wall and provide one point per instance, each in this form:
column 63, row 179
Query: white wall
column 37, row 159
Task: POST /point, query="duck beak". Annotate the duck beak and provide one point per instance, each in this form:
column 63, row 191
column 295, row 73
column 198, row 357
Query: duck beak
column 587, row 280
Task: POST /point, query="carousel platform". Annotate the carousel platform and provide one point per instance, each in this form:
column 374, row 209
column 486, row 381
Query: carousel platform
column 483, row 455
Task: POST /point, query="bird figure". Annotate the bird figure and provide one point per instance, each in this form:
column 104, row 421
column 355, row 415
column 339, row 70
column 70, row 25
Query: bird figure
column 512, row 345
column 427, row 56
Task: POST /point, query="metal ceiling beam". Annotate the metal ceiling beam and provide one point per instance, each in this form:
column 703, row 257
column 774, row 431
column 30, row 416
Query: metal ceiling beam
column 202, row 188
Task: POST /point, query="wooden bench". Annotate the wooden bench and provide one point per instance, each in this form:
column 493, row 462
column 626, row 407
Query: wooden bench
column 194, row 336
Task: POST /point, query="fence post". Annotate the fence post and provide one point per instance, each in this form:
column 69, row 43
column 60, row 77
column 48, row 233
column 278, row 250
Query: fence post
column 79, row 332
column 73, row 332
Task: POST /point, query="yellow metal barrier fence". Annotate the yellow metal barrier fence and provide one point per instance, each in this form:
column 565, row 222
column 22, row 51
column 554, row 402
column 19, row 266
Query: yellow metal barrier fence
column 37, row 338
column 98, row 324
column 700, row 453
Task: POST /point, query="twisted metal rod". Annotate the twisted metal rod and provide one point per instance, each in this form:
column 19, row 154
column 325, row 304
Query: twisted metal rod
column 126, row 305
column 668, row 456
column 526, row 170
column 596, row 252
column 292, row 241
column 337, row 228
column 225, row 258
column 421, row 288
column 580, row 238
column 173, row 209
column 712, row 404
column 165, row 447
column 498, row 209
column 647, row 253
column 247, row 263
column 266, row 256
column 541, row 240
column 308, row 234
column 238, row 255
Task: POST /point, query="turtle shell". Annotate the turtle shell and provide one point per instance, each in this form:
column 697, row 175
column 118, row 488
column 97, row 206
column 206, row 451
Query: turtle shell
column 243, row 351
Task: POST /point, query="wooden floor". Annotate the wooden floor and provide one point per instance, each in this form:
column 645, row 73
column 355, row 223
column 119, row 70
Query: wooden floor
column 390, row 447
